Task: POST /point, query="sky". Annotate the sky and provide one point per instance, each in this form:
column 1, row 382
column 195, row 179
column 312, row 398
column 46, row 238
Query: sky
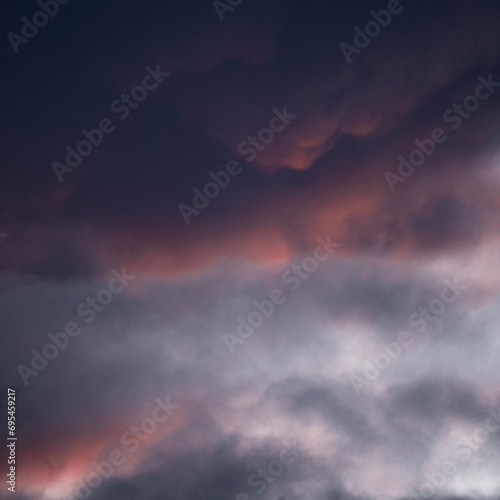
column 249, row 250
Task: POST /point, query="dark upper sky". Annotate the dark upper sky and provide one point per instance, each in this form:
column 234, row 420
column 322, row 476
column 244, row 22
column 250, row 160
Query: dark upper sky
column 387, row 144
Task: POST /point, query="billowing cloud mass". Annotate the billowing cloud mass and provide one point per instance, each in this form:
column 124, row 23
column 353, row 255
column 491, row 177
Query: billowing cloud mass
column 249, row 250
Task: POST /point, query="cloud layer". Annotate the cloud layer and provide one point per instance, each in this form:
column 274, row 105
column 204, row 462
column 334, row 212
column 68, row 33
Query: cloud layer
column 362, row 370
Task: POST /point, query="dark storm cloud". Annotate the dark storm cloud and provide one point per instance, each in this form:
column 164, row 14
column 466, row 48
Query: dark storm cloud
column 130, row 188
column 194, row 123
